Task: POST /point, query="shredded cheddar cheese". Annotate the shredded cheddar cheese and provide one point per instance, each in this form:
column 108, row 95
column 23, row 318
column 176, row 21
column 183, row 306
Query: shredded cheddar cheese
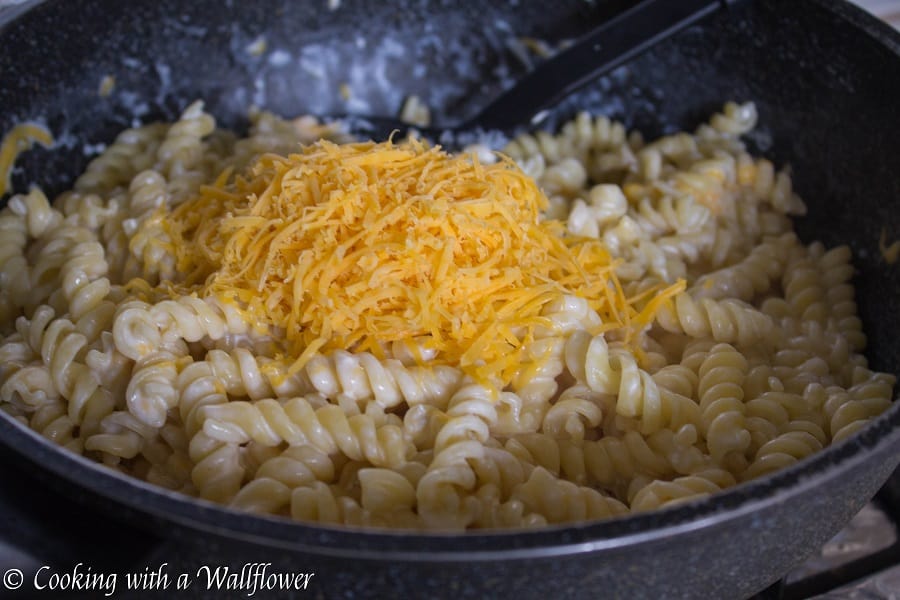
column 19, row 139
column 357, row 246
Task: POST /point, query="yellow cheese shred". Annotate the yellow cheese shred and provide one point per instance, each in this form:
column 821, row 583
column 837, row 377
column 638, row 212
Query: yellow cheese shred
column 19, row 139
column 356, row 246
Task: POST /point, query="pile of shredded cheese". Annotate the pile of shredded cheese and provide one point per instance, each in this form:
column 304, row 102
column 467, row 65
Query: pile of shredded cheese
column 356, row 246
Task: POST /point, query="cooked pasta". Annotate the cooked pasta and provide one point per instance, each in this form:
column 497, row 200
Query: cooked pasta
column 388, row 335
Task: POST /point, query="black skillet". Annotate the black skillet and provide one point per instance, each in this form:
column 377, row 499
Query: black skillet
column 826, row 79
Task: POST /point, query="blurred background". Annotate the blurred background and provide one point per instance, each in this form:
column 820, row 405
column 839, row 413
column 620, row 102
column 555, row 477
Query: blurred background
column 889, row 10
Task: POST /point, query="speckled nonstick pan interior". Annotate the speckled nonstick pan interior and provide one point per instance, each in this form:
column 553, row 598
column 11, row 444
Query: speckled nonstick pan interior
column 826, row 80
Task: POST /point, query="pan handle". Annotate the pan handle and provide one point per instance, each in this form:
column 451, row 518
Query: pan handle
column 610, row 45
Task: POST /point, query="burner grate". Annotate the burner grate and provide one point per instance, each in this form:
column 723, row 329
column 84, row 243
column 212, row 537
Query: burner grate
column 861, row 562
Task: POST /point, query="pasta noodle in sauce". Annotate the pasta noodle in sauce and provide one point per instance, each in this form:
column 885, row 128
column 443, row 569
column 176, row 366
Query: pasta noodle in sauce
column 389, row 335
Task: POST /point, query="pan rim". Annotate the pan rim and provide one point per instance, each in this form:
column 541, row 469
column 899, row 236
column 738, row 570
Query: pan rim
column 880, row 436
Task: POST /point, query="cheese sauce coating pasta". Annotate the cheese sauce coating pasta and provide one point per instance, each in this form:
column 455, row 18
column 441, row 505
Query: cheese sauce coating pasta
column 387, row 335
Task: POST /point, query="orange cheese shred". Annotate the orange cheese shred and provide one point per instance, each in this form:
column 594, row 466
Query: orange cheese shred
column 18, row 140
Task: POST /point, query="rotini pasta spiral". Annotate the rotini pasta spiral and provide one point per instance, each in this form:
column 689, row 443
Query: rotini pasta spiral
column 849, row 410
column 836, row 271
column 578, row 408
column 151, row 390
column 148, row 240
column 782, row 451
column 662, row 493
column 121, row 436
column 442, row 490
column 731, row 321
column 297, row 421
column 613, row 370
column 27, row 386
column 562, row 501
column 24, row 217
column 606, row 204
column 270, row 489
column 610, row 462
column 182, row 151
column 803, row 289
column 361, row 376
column 53, row 422
column 721, row 392
column 139, row 328
column 132, row 151
column 60, row 346
column 752, row 276
column 217, row 473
